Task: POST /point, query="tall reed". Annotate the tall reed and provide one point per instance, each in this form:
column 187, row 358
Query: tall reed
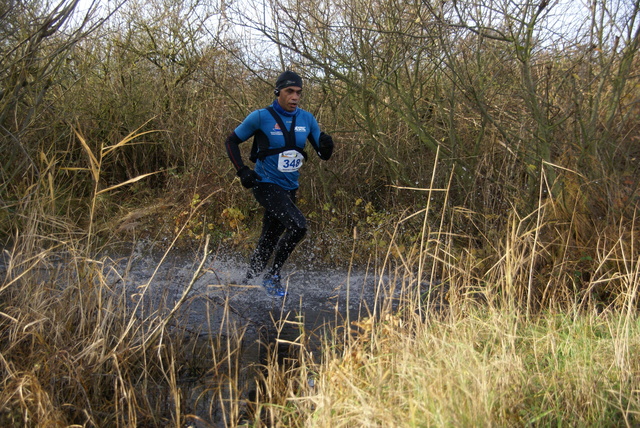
column 497, row 334
column 501, row 327
column 84, row 346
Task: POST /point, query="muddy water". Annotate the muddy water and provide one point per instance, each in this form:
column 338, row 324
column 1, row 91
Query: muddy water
column 243, row 318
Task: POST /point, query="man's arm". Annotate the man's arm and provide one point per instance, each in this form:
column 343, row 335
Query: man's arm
column 233, row 151
column 324, row 147
column 322, row 142
column 248, row 177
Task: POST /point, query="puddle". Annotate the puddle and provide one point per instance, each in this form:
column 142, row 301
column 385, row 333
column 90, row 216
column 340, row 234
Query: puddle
column 243, row 319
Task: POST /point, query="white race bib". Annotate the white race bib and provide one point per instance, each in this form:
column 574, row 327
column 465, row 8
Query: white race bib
column 290, row 161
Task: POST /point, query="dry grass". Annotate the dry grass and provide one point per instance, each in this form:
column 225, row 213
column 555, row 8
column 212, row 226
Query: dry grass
column 531, row 316
column 488, row 368
column 500, row 331
column 505, row 337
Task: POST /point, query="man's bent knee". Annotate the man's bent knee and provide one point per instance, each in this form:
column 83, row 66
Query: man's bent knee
column 298, row 233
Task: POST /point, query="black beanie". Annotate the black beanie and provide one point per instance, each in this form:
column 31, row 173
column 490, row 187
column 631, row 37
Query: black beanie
column 288, row 78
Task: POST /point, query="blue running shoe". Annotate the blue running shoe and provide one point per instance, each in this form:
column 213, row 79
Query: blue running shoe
column 273, row 285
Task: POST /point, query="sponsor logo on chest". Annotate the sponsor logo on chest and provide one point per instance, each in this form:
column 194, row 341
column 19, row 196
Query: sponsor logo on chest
column 277, row 131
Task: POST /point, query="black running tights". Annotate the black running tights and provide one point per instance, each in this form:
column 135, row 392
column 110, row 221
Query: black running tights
column 283, row 226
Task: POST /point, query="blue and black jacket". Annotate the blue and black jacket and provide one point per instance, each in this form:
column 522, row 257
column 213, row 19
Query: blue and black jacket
column 270, row 141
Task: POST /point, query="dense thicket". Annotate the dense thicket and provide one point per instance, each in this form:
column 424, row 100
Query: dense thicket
column 509, row 103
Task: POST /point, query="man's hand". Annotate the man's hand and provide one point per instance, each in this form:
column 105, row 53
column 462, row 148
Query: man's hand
column 325, row 146
column 248, row 177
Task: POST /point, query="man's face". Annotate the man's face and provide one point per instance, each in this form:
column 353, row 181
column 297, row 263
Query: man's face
column 289, row 98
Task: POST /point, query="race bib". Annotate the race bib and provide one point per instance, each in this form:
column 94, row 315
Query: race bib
column 290, row 161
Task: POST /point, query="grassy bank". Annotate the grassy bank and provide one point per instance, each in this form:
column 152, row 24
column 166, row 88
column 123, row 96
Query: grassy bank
column 502, row 329
column 478, row 343
column 485, row 367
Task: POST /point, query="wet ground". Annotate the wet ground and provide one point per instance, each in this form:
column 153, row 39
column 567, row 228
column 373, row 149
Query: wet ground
column 213, row 314
column 319, row 294
column 223, row 330
column 244, row 317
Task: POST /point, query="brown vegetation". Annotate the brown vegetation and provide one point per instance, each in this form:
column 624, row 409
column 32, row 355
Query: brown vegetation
column 477, row 142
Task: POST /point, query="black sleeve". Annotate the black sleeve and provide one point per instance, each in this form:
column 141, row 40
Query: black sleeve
column 233, row 151
column 313, row 142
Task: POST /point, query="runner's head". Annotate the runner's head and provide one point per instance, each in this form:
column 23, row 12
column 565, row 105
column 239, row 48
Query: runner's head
column 286, row 79
column 288, row 90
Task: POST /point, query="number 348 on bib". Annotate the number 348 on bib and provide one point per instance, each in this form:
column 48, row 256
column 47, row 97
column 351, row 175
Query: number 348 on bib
column 290, row 161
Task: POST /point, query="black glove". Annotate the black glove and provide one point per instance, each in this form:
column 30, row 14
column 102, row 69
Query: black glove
column 248, row 177
column 325, row 146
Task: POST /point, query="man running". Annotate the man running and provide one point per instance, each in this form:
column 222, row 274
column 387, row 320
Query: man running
column 280, row 133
